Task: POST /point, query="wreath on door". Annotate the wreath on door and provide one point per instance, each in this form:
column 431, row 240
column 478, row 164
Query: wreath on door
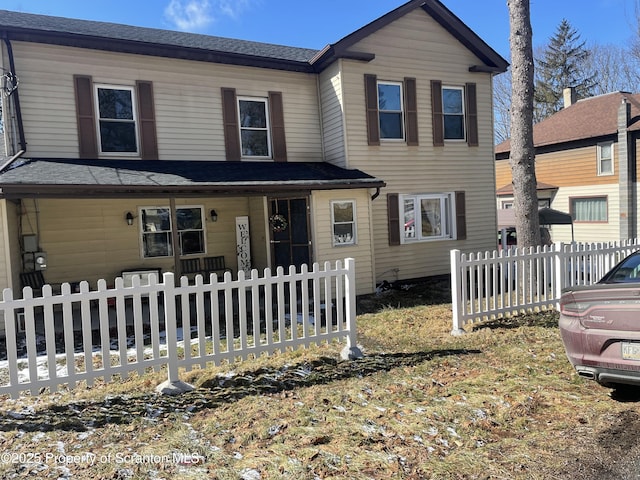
column 278, row 223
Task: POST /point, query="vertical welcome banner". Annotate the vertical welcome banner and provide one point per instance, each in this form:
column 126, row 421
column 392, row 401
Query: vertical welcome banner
column 243, row 244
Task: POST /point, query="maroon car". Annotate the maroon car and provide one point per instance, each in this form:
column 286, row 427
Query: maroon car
column 600, row 326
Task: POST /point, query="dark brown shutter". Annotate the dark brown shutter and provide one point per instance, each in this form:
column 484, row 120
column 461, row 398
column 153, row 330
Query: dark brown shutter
column 461, row 217
column 87, row 133
column 393, row 218
column 436, row 113
column 278, row 140
column 472, row 115
column 371, row 104
column 411, row 110
column 147, row 119
column 230, row 124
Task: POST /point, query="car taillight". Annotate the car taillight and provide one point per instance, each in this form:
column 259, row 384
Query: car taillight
column 569, row 306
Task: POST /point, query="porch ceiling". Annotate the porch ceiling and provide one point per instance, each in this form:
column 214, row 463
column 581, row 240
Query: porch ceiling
column 54, row 177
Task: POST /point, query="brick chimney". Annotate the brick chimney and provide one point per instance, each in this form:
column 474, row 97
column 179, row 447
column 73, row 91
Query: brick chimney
column 569, row 95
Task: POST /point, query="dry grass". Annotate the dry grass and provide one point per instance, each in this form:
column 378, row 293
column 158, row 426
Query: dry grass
column 501, row 402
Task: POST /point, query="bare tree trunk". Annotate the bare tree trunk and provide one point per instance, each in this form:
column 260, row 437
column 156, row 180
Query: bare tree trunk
column 522, row 158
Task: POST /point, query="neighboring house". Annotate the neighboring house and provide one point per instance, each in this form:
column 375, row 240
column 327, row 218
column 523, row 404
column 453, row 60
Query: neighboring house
column 586, row 165
column 133, row 148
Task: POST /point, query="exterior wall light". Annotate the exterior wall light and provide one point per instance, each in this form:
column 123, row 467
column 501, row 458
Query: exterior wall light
column 214, row 216
column 129, row 218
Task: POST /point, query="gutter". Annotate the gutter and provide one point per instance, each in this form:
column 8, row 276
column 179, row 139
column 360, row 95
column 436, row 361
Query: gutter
column 8, row 163
column 16, row 100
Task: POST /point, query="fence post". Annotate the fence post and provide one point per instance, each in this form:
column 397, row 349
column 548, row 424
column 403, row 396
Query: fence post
column 456, row 292
column 173, row 385
column 560, row 272
column 351, row 351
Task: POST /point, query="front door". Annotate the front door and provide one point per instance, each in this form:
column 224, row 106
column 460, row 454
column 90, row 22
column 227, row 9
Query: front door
column 289, row 232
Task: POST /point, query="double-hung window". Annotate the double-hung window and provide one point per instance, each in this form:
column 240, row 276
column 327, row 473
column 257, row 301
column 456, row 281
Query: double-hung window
column 390, row 103
column 116, row 119
column 453, row 113
column 605, row 158
column 427, row 217
column 589, row 209
column 157, row 231
column 253, row 114
column 343, row 219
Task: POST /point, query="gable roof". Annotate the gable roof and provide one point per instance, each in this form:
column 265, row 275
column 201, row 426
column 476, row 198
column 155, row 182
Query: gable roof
column 110, row 178
column 167, row 43
column 590, row 118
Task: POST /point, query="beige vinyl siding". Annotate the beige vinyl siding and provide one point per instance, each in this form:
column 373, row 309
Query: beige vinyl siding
column 417, row 46
column 186, row 95
column 589, row 232
column 333, row 115
column 90, row 239
column 323, row 247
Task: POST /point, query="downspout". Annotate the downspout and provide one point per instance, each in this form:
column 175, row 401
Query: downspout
column 16, row 100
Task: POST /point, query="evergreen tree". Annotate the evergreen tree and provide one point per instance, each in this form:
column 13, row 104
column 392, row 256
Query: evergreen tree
column 562, row 65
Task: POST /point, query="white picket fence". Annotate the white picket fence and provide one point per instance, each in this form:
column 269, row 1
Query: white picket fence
column 495, row 284
column 53, row 340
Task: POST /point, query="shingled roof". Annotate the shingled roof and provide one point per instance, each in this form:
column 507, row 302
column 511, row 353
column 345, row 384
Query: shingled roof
column 103, row 177
column 168, row 43
column 590, row 118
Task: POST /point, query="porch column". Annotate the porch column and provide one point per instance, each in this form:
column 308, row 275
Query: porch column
column 175, row 240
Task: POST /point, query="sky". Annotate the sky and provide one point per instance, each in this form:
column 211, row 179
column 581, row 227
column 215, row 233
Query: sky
column 304, row 23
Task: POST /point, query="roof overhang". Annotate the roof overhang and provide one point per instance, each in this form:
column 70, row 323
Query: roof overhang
column 95, row 178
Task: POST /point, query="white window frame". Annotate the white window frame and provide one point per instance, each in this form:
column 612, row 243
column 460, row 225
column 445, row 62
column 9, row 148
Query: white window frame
column 601, row 172
column 170, row 231
column 134, row 110
column 400, row 85
column 267, row 128
column 463, row 114
column 447, row 212
column 343, row 240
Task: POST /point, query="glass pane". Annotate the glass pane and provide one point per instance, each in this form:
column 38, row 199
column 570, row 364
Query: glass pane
column 253, row 114
column 156, row 220
column 343, row 212
column 191, row 242
column 115, row 104
column 300, row 256
column 409, row 219
column 157, row 244
column 389, row 97
column 605, row 166
column 452, row 101
column 454, row 127
column 254, row 143
column 118, row 136
column 343, row 233
column 589, row 209
column 390, row 125
column 605, row 151
column 189, row 218
column 430, row 216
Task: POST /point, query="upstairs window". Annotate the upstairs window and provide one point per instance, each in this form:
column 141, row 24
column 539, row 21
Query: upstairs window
column 157, row 238
column 254, row 127
column 453, row 112
column 605, row 158
column 343, row 219
column 116, row 120
column 390, row 110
